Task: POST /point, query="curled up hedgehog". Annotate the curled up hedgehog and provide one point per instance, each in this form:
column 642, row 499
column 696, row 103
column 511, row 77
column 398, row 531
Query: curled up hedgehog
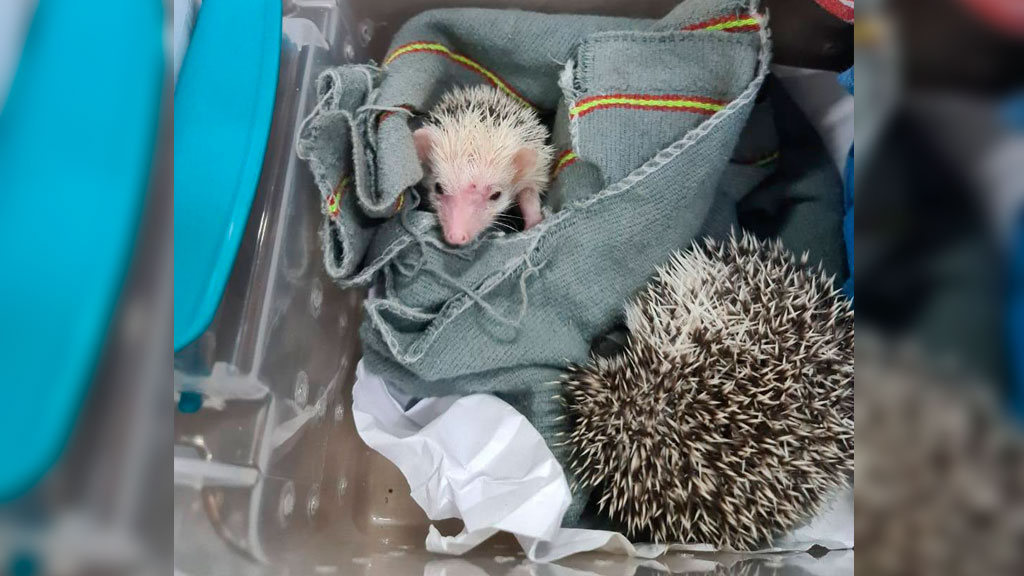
column 728, row 417
column 482, row 151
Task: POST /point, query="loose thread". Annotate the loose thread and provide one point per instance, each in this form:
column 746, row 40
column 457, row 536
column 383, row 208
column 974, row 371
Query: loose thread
column 379, row 108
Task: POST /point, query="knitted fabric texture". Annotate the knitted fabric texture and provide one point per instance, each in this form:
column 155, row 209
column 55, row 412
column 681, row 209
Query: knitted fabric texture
column 664, row 139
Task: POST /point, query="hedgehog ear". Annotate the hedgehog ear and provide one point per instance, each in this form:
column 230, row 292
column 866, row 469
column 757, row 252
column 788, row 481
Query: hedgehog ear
column 524, row 161
column 424, row 140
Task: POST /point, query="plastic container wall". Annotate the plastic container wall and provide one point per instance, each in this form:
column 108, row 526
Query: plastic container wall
column 270, row 475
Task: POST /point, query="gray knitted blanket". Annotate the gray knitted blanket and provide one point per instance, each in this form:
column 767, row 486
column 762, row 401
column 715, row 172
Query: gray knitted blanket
column 668, row 130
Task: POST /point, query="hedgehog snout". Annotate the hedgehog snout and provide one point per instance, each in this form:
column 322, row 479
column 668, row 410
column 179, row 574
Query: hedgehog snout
column 456, row 237
column 460, row 219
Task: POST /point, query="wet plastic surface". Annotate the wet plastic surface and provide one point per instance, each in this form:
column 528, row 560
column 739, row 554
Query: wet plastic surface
column 270, row 475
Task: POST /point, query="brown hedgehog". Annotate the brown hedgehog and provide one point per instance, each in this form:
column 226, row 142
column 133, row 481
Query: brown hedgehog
column 728, row 418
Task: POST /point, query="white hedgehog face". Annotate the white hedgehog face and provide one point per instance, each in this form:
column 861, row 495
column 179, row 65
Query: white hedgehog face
column 472, row 177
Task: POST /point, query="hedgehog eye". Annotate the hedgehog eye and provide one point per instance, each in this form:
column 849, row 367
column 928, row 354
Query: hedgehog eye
column 439, row 189
column 495, row 196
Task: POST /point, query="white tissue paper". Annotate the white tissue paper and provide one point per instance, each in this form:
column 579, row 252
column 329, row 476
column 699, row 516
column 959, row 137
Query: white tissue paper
column 478, row 459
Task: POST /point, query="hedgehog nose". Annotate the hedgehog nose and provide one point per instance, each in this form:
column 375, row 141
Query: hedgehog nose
column 457, row 238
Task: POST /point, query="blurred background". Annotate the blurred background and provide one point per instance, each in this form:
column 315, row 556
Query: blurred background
column 102, row 503
column 939, row 291
column 937, row 179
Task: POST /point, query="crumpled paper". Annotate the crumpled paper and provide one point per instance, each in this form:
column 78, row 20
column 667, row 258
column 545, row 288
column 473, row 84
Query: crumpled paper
column 478, row 459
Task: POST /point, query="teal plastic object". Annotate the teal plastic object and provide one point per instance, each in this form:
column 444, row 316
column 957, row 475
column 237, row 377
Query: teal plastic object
column 223, row 105
column 77, row 137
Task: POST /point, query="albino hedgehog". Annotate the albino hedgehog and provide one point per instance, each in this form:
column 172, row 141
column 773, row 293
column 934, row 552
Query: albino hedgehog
column 482, row 150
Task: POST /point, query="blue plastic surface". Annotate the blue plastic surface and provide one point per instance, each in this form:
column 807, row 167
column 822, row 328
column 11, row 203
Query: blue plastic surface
column 223, row 104
column 847, row 81
column 190, row 402
column 77, row 138
column 1014, row 114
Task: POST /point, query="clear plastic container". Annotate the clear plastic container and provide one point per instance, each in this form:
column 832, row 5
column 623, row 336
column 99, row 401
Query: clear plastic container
column 270, row 475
